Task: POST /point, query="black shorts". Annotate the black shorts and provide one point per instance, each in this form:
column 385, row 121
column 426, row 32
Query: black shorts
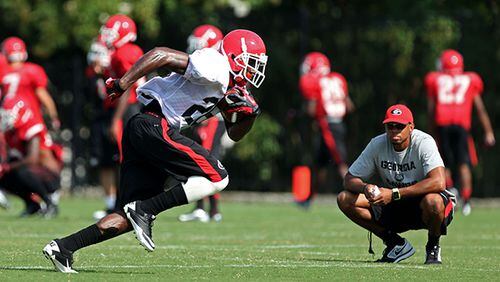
column 104, row 151
column 153, row 151
column 337, row 153
column 453, row 145
column 406, row 214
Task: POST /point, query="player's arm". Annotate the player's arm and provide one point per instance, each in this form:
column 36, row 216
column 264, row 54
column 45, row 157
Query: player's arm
column 159, row 57
column 49, row 105
column 434, row 182
column 484, row 119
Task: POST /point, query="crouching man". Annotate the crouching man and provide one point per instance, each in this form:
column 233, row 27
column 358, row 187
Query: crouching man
column 412, row 193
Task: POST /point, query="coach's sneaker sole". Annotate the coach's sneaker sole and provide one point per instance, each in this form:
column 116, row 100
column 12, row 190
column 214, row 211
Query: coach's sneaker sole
column 142, row 224
column 397, row 253
column 61, row 258
column 433, row 255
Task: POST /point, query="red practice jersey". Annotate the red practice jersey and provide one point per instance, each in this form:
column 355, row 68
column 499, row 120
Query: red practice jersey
column 329, row 92
column 453, row 95
column 21, row 124
column 22, row 82
column 122, row 60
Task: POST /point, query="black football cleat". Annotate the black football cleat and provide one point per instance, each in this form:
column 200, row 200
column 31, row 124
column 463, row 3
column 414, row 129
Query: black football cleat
column 142, row 223
column 397, row 253
column 60, row 257
column 433, row 254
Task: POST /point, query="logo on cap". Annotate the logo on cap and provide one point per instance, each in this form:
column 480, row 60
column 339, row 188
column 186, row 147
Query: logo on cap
column 396, row 112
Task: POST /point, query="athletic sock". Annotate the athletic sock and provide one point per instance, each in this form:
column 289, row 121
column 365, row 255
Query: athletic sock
column 432, row 240
column 199, row 204
column 83, row 238
column 214, row 205
column 392, row 238
column 165, row 200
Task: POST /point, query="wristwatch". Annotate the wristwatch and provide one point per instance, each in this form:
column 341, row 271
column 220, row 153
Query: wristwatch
column 395, row 194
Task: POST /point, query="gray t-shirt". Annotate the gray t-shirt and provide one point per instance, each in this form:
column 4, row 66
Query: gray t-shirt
column 398, row 169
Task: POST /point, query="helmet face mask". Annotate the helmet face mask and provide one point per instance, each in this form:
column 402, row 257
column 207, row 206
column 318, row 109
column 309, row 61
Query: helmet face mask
column 204, row 36
column 98, row 53
column 14, row 49
column 246, row 53
column 118, row 30
column 315, row 63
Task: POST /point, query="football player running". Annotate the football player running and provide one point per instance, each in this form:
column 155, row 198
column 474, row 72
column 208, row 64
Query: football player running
column 154, row 149
column 412, row 195
column 209, row 132
column 451, row 94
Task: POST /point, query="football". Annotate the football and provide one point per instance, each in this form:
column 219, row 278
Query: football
column 225, row 105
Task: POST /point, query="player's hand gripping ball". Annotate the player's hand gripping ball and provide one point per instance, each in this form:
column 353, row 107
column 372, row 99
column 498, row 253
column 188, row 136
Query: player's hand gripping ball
column 238, row 104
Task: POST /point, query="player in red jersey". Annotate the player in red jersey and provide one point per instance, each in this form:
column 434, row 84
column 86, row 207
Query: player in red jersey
column 31, row 165
column 327, row 98
column 26, row 79
column 118, row 33
column 451, row 94
column 104, row 153
column 210, row 132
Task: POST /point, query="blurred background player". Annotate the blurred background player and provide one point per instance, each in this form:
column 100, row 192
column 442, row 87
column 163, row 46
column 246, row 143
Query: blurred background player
column 117, row 34
column 26, row 79
column 104, row 149
column 327, row 101
column 451, row 93
column 33, row 164
column 210, row 132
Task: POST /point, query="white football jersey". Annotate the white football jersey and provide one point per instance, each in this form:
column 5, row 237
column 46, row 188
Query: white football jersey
column 190, row 98
column 398, row 169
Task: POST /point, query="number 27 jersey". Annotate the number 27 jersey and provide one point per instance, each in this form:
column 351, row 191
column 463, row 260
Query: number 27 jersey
column 453, row 95
column 192, row 97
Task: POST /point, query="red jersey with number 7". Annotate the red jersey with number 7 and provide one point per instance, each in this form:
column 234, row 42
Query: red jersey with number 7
column 453, row 95
column 22, row 82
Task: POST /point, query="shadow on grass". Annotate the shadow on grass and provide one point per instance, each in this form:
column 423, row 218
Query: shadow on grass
column 341, row 260
column 79, row 270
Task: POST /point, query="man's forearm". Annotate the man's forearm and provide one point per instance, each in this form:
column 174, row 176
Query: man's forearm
column 159, row 57
column 354, row 184
column 426, row 186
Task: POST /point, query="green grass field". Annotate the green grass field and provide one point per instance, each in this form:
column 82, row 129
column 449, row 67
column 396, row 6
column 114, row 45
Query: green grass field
column 259, row 241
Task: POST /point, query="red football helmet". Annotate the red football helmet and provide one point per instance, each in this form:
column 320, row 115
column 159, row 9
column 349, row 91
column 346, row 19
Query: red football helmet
column 451, row 61
column 118, row 30
column 14, row 49
column 246, row 53
column 315, row 63
column 204, row 36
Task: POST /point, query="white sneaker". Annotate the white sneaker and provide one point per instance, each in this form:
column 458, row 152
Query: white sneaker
column 466, row 209
column 4, row 202
column 196, row 215
column 217, row 217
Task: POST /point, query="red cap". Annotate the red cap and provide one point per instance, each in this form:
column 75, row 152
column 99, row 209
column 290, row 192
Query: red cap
column 398, row 113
